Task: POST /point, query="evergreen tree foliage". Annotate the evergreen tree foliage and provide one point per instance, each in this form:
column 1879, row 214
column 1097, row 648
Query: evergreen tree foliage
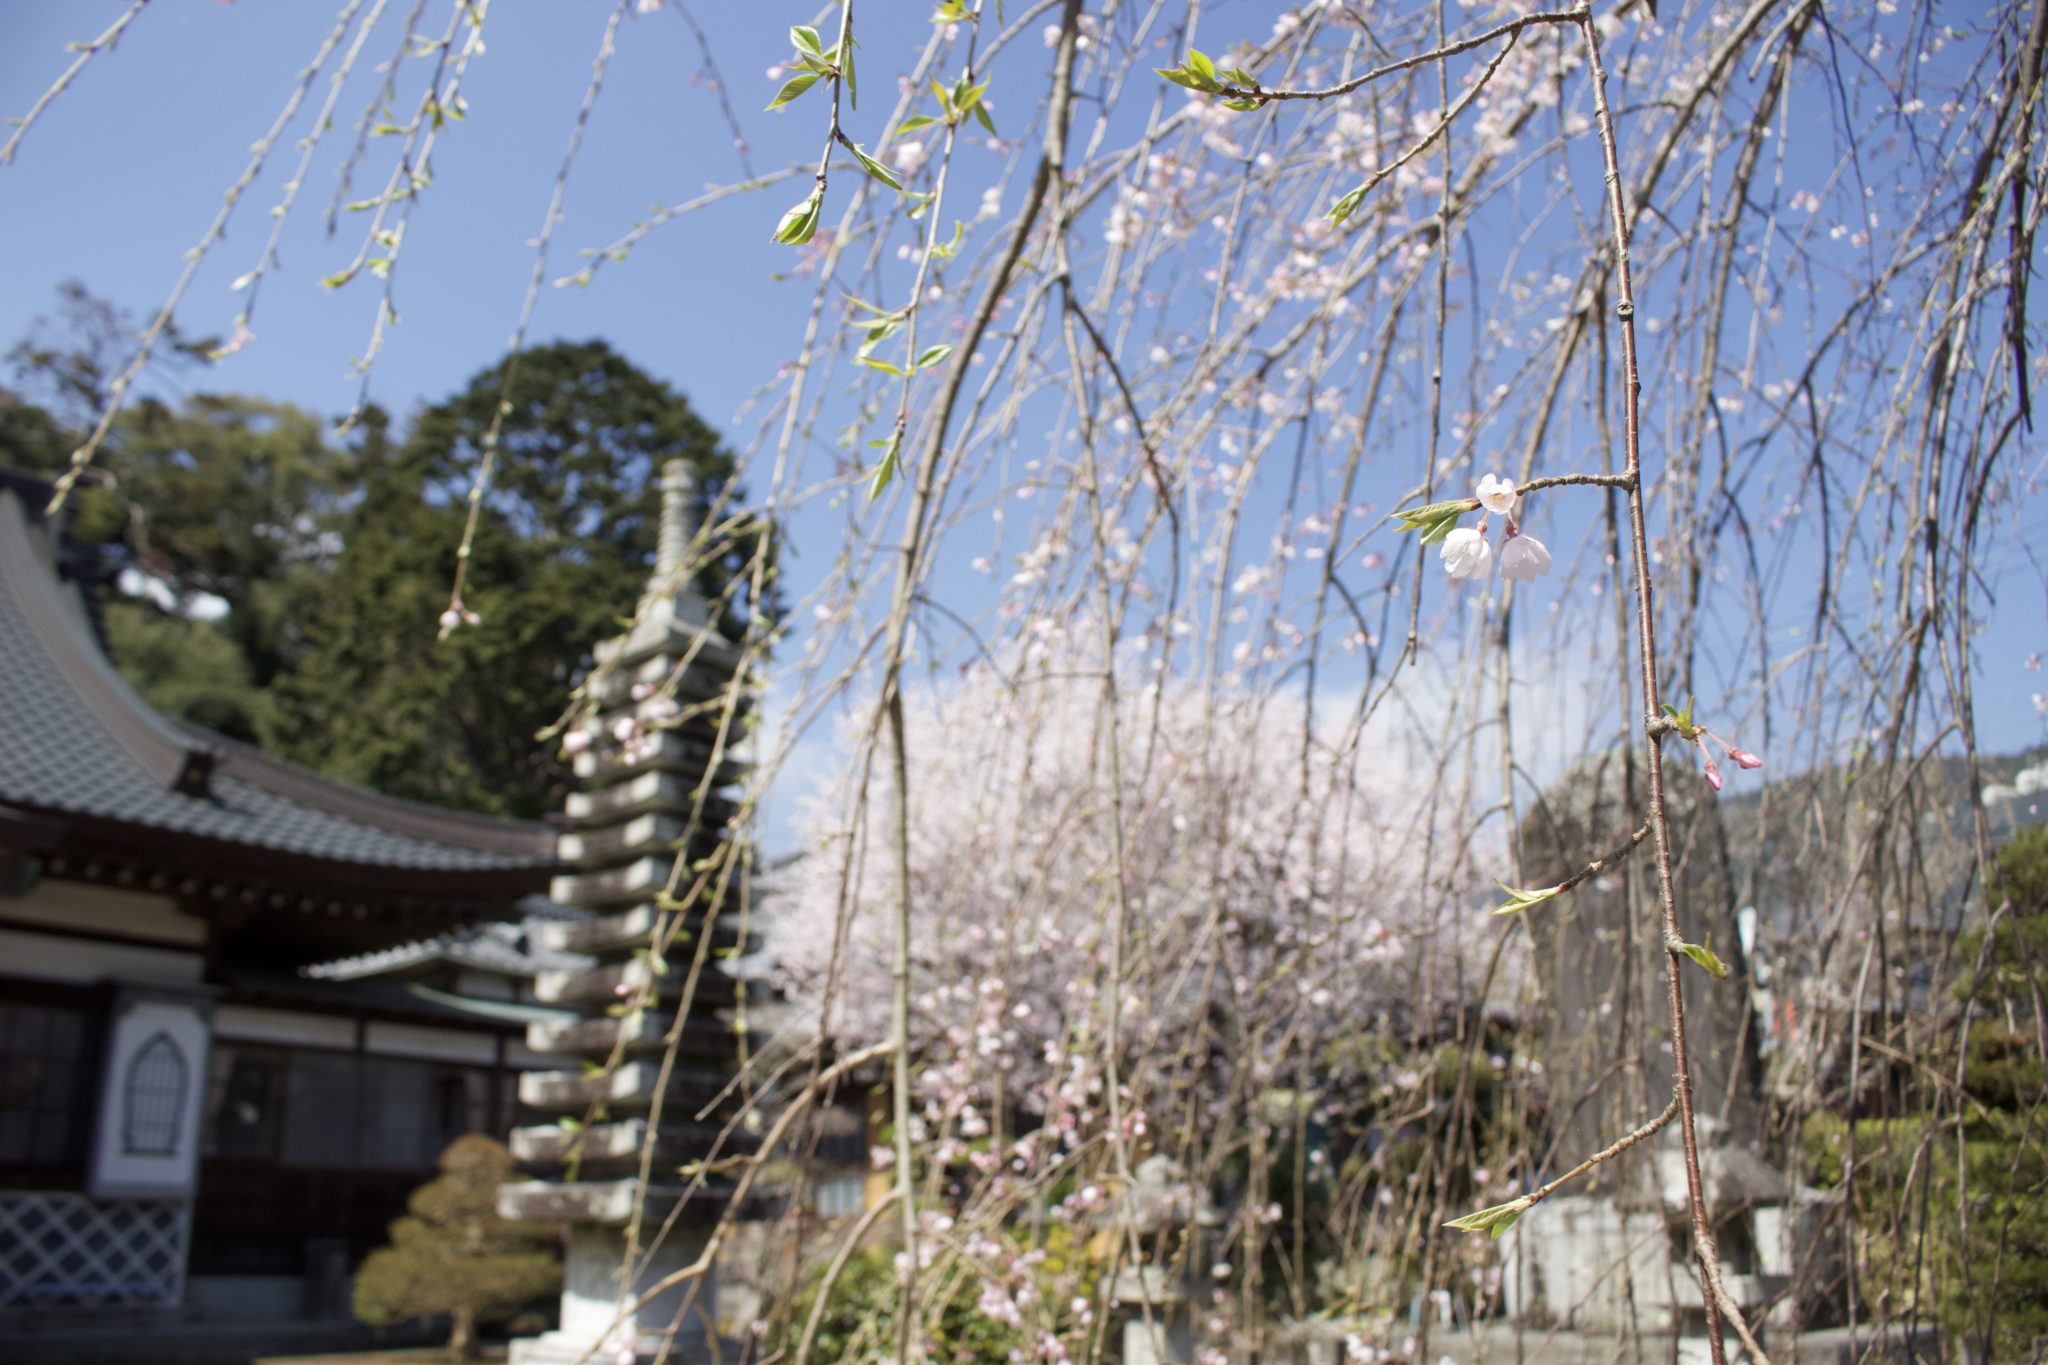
column 190, row 669
column 563, row 549
column 452, row 1256
column 1952, row 1201
column 332, row 562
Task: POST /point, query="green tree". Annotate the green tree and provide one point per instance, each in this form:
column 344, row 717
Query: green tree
column 453, row 1256
column 564, row 546
column 1952, row 1201
column 68, row 360
column 190, row 669
column 213, row 496
column 231, row 497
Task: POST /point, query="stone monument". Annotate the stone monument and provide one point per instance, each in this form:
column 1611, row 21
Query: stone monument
column 648, row 806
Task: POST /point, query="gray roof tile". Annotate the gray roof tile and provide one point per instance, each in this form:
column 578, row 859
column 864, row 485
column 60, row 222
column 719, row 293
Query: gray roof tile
column 75, row 739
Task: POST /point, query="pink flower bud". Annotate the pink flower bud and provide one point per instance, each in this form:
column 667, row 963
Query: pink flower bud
column 1712, row 774
column 1743, row 758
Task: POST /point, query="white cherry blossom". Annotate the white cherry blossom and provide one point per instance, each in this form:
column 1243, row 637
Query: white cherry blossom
column 1495, row 494
column 1524, row 559
column 1466, row 553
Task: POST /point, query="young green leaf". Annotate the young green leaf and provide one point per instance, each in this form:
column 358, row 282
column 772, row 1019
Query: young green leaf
column 946, row 251
column 1202, row 68
column 804, row 39
column 1493, row 1221
column 873, row 167
column 885, row 472
column 933, row 355
column 1435, row 520
column 867, row 307
column 1520, row 899
column 794, row 86
column 875, row 362
column 878, row 333
column 845, row 57
column 914, row 123
column 1346, row 206
column 1184, row 78
column 1708, row 960
column 801, row 222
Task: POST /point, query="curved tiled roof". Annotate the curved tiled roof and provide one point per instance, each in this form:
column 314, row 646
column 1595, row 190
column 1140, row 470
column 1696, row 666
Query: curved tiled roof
column 75, row 740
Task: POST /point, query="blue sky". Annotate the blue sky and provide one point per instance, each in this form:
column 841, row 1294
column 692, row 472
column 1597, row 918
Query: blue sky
column 124, row 172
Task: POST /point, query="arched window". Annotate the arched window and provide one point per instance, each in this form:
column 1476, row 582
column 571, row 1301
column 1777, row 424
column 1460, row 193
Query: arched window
column 153, row 1098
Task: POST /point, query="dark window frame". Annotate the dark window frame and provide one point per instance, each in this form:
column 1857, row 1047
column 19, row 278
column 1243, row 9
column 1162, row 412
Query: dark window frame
column 153, row 1090
column 47, row 1139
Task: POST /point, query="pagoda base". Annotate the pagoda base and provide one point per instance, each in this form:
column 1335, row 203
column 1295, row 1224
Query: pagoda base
column 594, row 1328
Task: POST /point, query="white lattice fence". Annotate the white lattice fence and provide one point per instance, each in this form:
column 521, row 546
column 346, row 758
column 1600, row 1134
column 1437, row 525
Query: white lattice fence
column 68, row 1251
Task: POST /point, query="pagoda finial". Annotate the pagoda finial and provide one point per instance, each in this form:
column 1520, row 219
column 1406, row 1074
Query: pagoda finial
column 678, row 521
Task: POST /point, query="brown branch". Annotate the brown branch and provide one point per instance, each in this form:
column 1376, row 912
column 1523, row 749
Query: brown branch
column 1512, row 28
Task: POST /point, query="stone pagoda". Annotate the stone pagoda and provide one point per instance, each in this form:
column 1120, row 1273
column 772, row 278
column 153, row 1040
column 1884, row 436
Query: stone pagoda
column 639, row 764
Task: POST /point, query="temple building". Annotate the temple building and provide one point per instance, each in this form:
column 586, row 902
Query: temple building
column 243, row 1008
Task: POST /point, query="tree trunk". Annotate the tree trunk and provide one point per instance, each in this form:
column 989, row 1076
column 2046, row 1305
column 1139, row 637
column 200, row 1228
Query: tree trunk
column 462, row 1335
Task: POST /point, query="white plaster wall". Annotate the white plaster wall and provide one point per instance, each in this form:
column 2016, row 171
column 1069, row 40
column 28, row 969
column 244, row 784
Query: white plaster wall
column 1582, row 1259
column 591, row 1290
column 247, row 1024
column 116, row 1171
column 434, row 1044
column 78, row 906
column 52, row 957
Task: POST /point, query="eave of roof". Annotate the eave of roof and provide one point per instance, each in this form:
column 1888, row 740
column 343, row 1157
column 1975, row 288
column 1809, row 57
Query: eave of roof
column 80, row 749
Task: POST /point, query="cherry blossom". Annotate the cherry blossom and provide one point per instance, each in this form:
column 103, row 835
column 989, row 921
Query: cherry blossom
column 1466, row 553
column 1496, row 494
column 1523, row 558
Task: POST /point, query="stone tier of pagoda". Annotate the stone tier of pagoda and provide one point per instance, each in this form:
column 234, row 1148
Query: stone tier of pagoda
column 641, row 802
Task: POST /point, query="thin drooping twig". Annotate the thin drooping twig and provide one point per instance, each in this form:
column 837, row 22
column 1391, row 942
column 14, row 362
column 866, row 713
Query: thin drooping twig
column 117, row 392
column 909, row 1342
column 1646, row 665
column 1510, row 29
column 86, row 52
column 487, row 456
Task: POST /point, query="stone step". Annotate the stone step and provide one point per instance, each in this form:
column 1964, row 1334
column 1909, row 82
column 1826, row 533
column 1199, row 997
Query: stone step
column 617, row 980
column 684, row 749
column 605, row 1144
column 614, row 688
column 629, row 929
column 607, row 983
column 641, row 1031
column 638, row 880
column 550, row 1143
column 591, row 1201
column 645, row 790
column 605, row 933
column 652, row 833
column 630, row 1084
column 707, row 1036
column 675, row 628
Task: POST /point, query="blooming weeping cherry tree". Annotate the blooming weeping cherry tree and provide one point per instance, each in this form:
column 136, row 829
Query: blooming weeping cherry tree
column 1253, row 484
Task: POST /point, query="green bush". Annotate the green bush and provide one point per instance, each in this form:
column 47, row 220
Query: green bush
column 453, row 1256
